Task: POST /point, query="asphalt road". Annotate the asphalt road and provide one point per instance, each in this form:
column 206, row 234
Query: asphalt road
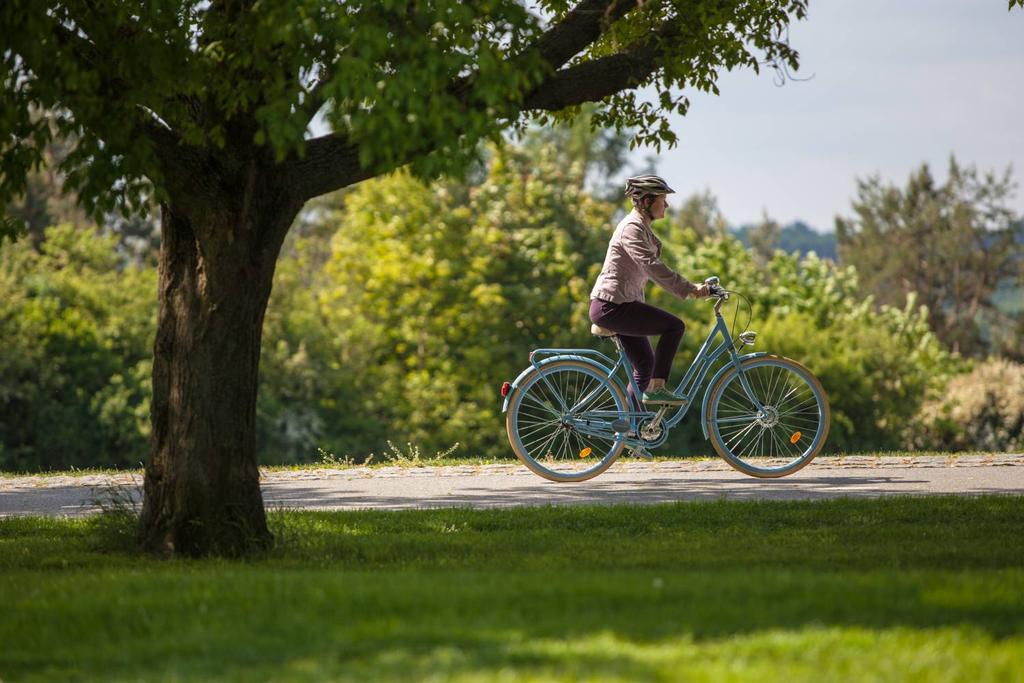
column 483, row 486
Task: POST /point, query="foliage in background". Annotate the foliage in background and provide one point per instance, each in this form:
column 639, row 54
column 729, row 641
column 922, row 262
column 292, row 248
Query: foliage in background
column 954, row 244
column 399, row 307
column 44, row 201
column 76, row 329
column 596, row 159
column 983, row 409
column 48, row 199
column 433, row 295
column 306, row 398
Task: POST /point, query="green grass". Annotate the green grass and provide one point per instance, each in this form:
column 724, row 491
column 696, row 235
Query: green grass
column 891, row 589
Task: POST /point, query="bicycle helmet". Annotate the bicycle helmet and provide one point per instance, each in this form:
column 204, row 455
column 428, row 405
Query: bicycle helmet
column 642, row 186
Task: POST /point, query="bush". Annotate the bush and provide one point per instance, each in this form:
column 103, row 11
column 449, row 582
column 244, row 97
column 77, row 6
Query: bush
column 980, row 410
column 76, row 329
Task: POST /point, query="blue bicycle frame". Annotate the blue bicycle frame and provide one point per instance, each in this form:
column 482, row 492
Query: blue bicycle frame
column 688, row 386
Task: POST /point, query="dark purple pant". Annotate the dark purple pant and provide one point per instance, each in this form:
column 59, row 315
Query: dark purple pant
column 633, row 322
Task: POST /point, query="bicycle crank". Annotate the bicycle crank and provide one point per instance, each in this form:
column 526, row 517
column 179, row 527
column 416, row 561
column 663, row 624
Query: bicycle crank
column 651, row 430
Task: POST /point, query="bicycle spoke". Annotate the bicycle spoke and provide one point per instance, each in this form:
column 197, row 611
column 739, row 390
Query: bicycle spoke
column 778, row 438
column 573, row 439
column 738, row 435
column 544, row 405
column 530, row 436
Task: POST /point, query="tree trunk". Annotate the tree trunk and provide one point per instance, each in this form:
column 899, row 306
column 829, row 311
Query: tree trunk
column 202, row 493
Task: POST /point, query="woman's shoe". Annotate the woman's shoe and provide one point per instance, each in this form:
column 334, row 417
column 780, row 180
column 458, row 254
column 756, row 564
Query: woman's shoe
column 663, row 396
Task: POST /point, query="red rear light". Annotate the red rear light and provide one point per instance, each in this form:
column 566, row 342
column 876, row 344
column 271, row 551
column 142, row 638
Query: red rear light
column 504, row 389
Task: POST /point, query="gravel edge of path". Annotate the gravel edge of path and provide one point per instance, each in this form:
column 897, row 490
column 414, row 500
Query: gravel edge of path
column 625, row 464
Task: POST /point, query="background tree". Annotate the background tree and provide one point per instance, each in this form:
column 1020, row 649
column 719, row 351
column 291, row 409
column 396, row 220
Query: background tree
column 437, row 300
column 206, row 105
column 595, row 158
column 954, row 244
column 700, row 213
column 796, row 236
column 764, row 238
column 800, row 237
column 46, row 201
column 43, row 201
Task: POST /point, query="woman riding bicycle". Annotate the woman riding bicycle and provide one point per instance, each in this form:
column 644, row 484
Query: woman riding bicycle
column 617, row 299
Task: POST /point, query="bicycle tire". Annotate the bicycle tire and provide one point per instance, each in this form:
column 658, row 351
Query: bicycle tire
column 805, row 406
column 531, row 409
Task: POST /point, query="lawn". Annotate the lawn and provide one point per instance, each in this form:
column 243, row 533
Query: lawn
column 891, row 589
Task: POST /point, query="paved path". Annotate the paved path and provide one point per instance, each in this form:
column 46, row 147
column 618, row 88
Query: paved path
column 629, row 481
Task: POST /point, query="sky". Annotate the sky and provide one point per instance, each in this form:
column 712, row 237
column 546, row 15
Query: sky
column 895, row 84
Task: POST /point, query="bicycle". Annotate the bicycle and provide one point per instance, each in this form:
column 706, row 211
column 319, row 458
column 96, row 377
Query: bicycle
column 569, row 417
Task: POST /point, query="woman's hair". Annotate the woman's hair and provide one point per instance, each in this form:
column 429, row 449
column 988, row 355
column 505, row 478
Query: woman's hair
column 643, row 202
column 642, row 189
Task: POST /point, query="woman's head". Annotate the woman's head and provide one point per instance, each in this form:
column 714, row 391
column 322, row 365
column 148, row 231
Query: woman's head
column 648, row 193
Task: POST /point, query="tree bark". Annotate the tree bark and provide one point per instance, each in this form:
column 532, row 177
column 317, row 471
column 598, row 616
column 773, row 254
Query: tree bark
column 202, row 493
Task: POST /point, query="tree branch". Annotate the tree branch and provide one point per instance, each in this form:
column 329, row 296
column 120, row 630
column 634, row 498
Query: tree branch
column 332, row 161
column 581, row 26
column 594, row 80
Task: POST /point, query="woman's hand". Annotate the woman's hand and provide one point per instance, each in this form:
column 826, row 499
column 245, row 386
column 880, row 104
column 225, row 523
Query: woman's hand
column 702, row 291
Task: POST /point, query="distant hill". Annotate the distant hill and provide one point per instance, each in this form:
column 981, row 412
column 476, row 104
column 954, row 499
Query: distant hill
column 797, row 236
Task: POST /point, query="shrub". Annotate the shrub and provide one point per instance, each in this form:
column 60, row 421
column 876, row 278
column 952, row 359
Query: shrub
column 76, row 329
column 980, row 410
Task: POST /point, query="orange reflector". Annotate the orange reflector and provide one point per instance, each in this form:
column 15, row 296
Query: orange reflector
column 795, row 437
column 585, row 452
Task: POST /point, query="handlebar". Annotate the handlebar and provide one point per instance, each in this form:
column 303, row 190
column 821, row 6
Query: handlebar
column 715, row 289
column 720, row 295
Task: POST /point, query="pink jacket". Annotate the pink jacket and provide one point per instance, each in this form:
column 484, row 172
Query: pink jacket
column 633, row 258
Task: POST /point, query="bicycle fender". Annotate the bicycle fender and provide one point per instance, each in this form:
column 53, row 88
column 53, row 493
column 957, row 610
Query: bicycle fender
column 714, row 380
column 537, row 366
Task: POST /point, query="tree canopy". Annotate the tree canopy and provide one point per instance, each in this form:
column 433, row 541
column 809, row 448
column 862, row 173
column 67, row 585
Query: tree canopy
column 136, row 84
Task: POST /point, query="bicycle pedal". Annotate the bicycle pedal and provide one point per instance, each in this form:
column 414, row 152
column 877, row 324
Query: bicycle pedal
column 641, row 453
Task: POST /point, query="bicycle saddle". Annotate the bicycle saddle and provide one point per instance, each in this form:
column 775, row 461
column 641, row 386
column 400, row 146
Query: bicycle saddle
column 599, row 331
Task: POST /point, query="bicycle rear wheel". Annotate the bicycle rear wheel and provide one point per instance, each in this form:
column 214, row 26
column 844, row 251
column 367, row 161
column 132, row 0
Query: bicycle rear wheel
column 786, row 435
column 559, row 421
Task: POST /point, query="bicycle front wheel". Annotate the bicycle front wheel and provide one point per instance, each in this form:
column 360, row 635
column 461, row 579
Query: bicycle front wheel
column 785, row 433
column 559, row 421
